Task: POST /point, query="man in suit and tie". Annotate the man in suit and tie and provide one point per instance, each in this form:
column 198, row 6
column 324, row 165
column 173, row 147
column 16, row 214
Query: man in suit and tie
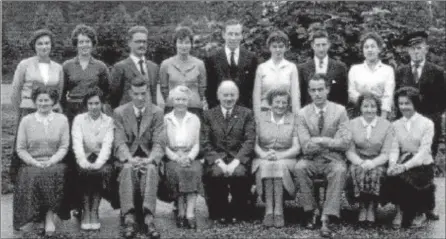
column 227, row 139
column 233, row 62
column 429, row 79
column 334, row 70
column 135, row 65
column 139, row 145
column 324, row 138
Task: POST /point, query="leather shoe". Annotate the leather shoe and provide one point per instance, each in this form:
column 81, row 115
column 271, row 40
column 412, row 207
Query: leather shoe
column 279, row 221
column 153, row 233
column 180, row 221
column 310, row 225
column 191, row 223
column 129, row 232
column 326, row 232
column 268, row 220
column 430, row 215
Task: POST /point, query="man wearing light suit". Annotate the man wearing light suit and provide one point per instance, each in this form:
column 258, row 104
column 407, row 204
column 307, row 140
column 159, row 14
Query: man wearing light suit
column 139, row 146
column 227, row 140
column 334, row 70
column 324, row 138
column 233, row 62
column 136, row 65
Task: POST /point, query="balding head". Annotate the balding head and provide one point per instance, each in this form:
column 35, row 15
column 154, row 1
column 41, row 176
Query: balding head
column 227, row 94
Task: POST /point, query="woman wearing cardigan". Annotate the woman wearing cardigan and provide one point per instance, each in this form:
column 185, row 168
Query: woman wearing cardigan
column 410, row 183
column 368, row 154
column 372, row 76
column 277, row 72
column 276, row 147
column 42, row 143
column 92, row 134
column 31, row 73
column 184, row 69
column 183, row 170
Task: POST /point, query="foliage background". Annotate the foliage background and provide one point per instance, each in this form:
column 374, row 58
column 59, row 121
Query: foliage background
column 345, row 21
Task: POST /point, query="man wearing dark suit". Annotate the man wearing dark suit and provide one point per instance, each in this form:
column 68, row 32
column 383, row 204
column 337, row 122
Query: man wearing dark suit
column 324, row 138
column 139, row 145
column 429, row 79
column 227, row 139
column 135, row 65
column 231, row 63
column 334, row 70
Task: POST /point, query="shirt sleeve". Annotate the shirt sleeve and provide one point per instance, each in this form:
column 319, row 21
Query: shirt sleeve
column 424, row 150
column 107, row 143
column 64, row 141
column 353, row 93
column 202, row 80
column 164, row 80
column 17, row 85
column 295, row 90
column 257, row 92
column 389, row 87
column 21, row 144
column 78, row 140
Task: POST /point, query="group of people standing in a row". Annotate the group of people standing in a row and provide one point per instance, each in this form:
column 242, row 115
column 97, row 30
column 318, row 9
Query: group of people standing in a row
column 229, row 123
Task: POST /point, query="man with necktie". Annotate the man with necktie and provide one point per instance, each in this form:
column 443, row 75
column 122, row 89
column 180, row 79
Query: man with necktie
column 136, row 65
column 139, row 146
column 324, row 138
column 430, row 80
column 321, row 63
column 233, row 62
column 227, row 141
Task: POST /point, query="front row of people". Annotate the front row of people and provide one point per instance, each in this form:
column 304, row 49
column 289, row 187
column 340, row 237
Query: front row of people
column 284, row 153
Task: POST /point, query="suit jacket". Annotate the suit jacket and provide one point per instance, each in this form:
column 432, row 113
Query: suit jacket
column 431, row 84
column 335, row 127
column 121, row 77
column 217, row 68
column 226, row 141
column 336, row 72
column 150, row 137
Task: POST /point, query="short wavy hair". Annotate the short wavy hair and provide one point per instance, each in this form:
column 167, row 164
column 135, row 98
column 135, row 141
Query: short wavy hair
column 183, row 32
column 179, row 90
column 50, row 91
column 273, row 93
column 374, row 36
column 412, row 93
column 38, row 34
column 232, row 22
column 367, row 96
column 321, row 77
column 92, row 92
column 278, row 36
column 84, row 30
column 136, row 29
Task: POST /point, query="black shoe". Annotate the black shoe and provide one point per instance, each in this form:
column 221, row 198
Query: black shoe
column 180, row 221
column 432, row 216
column 222, row 220
column 191, row 223
column 310, row 225
column 326, row 232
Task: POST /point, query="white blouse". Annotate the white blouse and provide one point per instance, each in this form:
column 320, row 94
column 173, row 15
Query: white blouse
column 44, row 69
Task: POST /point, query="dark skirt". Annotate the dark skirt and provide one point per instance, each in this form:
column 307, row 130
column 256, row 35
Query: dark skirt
column 37, row 190
column 413, row 190
column 180, row 180
column 365, row 184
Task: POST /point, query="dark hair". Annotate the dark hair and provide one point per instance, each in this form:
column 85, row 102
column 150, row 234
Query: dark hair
column 413, row 94
column 278, row 36
column 273, row 93
column 92, row 92
column 84, row 30
column 319, row 34
column 182, row 33
column 367, row 96
column 136, row 29
column 50, row 91
column 38, row 34
column 139, row 81
column 323, row 77
column 374, row 36
column 231, row 22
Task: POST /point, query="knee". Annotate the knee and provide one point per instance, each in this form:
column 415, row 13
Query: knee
column 240, row 171
column 151, row 168
column 216, row 172
column 301, row 167
column 339, row 169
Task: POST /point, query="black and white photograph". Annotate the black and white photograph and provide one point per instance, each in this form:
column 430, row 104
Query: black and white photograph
column 223, row 119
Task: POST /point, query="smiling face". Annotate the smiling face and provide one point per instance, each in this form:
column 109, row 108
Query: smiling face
column 44, row 103
column 183, row 46
column 84, row 45
column 277, row 50
column 138, row 44
column 369, row 109
column 406, row 106
column 233, row 36
column 94, row 105
column 280, row 104
column 180, row 101
column 418, row 52
column 227, row 96
column 371, row 50
column 320, row 47
column 43, row 46
column 318, row 91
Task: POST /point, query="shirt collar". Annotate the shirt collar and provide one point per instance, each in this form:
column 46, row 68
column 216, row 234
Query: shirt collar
column 379, row 65
column 317, row 109
column 411, row 119
column 77, row 61
column 44, row 119
column 283, row 63
column 324, row 61
column 100, row 118
column 412, row 64
column 228, row 51
column 281, row 121
column 373, row 123
column 171, row 116
column 137, row 110
column 136, row 59
column 223, row 110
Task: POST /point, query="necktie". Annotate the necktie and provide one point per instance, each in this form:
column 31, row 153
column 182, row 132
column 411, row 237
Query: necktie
column 233, row 66
column 320, row 122
column 415, row 72
column 141, row 67
column 139, row 118
column 321, row 63
column 228, row 115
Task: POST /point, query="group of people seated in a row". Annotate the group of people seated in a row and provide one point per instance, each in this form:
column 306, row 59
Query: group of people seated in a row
column 228, row 123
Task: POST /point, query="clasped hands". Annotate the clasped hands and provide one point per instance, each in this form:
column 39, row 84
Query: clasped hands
column 140, row 163
column 228, row 169
column 91, row 166
column 317, row 144
column 395, row 169
column 367, row 164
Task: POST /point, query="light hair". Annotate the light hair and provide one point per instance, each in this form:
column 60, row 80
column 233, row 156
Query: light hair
column 227, row 84
column 180, row 89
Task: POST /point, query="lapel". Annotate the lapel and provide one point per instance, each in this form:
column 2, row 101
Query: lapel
column 146, row 119
column 130, row 114
column 223, row 61
column 423, row 78
column 37, row 70
column 233, row 119
column 311, row 67
column 241, row 60
column 330, row 68
column 132, row 66
column 312, row 120
column 218, row 115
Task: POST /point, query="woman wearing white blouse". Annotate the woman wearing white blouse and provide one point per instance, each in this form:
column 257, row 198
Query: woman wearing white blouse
column 372, row 76
column 277, row 72
column 92, row 134
column 182, row 171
